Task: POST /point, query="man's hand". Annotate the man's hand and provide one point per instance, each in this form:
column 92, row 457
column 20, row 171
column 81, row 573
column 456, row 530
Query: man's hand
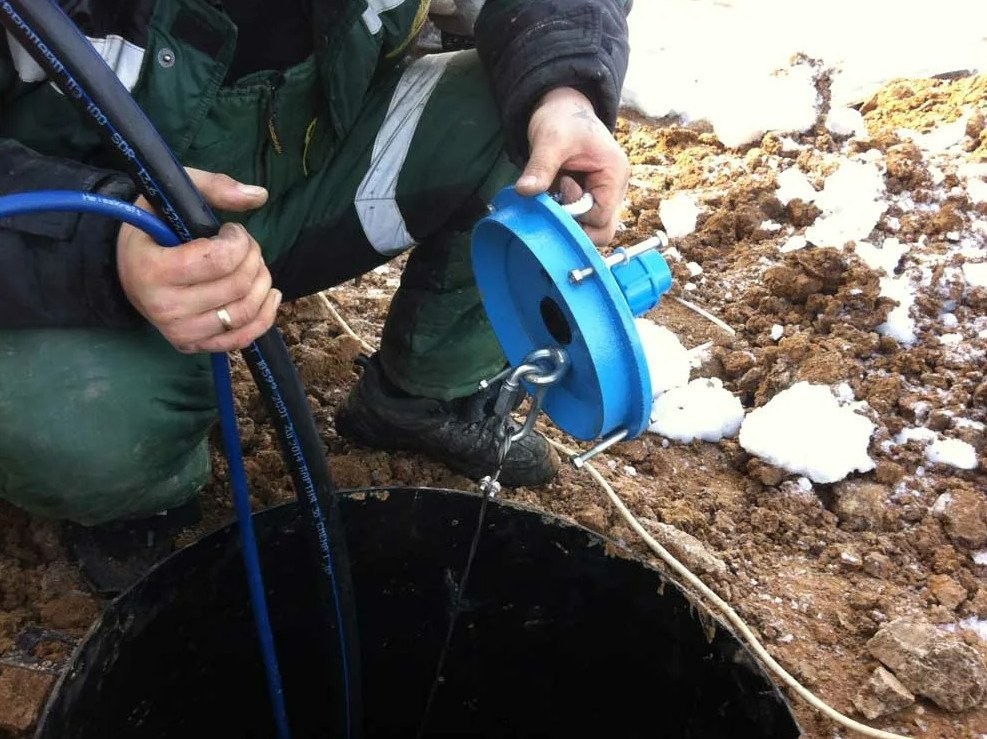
column 566, row 138
column 180, row 289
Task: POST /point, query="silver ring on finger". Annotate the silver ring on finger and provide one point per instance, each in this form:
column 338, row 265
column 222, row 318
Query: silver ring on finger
column 224, row 318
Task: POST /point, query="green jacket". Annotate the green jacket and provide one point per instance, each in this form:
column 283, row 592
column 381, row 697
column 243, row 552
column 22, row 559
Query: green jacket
column 271, row 127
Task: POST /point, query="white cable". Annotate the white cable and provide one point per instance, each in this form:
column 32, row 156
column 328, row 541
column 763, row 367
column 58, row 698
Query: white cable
column 731, row 615
column 343, row 324
column 707, row 315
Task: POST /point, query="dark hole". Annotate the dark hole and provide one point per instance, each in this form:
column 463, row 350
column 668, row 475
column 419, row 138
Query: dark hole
column 552, row 641
column 555, row 321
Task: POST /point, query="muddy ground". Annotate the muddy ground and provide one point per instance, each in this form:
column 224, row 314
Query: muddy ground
column 816, row 572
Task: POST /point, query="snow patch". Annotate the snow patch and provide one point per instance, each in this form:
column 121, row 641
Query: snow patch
column 884, row 258
column 851, row 205
column 703, row 410
column 919, row 433
column 952, row 452
column 940, row 139
column 976, row 190
column 941, row 450
column 748, row 107
column 794, row 243
column 900, row 326
column 679, row 214
column 846, row 122
column 669, row 363
column 976, row 625
column 975, row 274
column 693, row 82
column 804, row 430
column 793, row 184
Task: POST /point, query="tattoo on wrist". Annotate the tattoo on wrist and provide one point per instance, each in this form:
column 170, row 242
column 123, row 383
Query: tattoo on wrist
column 588, row 115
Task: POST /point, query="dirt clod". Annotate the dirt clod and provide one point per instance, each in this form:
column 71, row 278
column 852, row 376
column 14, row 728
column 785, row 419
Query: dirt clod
column 22, row 693
column 947, row 591
column 861, row 505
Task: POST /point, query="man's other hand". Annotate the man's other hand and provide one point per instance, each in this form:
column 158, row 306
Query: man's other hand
column 571, row 148
column 184, row 290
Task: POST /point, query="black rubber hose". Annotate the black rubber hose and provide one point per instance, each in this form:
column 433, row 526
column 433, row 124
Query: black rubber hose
column 72, row 63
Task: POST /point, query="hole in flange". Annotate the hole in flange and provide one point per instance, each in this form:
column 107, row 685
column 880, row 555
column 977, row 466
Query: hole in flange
column 555, row 321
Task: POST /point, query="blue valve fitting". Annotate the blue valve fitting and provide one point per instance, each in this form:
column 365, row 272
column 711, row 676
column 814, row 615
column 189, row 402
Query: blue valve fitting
column 642, row 274
column 643, row 280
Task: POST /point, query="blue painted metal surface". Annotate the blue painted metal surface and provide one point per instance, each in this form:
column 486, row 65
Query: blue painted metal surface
column 523, row 255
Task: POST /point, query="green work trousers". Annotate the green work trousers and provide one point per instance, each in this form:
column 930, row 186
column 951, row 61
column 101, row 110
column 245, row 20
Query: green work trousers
column 99, row 425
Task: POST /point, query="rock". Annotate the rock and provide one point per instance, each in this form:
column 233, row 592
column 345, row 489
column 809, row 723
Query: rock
column 22, row 696
column 332, row 365
column 312, row 363
column 975, row 124
column 862, row 599
column 947, row 591
column 850, row 560
column 963, row 511
column 977, row 605
column 939, row 420
column 931, row 663
column 59, row 577
column 877, row 565
column 693, row 553
column 883, row 694
column 861, row 505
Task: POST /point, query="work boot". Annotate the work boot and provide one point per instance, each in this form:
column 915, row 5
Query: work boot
column 114, row 556
column 459, row 433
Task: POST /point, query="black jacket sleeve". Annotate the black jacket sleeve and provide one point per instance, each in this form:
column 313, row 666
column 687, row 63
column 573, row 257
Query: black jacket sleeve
column 532, row 46
column 59, row 269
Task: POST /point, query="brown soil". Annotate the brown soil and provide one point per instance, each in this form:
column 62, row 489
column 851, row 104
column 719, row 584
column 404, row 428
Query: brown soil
column 815, row 573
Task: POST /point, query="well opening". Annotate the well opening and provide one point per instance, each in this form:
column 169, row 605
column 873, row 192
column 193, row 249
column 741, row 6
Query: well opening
column 557, row 638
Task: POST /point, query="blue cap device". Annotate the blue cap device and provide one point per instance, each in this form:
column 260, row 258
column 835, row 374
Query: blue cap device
column 544, row 284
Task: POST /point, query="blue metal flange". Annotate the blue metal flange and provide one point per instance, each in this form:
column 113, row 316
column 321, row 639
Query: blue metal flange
column 544, row 284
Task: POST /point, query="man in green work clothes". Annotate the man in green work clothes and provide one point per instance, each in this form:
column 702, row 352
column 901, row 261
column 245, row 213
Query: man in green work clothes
column 337, row 152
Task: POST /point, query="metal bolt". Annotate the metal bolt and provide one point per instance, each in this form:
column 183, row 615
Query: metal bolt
column 166, row 58
column 578, row 275
column 608, row 442
column 484, row 384
column 623, row 256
